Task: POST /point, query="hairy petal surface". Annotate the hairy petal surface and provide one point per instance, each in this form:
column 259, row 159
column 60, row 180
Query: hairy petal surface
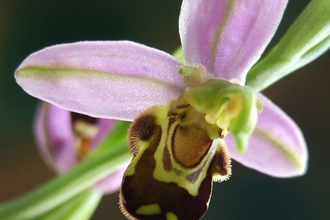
column 54, row 137
column 114, row 80
column 228, row 37
column 276, row 147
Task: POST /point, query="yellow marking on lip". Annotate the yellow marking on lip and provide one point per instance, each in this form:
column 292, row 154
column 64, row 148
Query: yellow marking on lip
column 153, row 209
column 171, row 216
column 182, row 180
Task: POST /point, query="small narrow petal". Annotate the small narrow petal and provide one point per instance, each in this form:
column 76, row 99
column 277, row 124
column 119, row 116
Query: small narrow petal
column 276, row 147
column 228, row 37
column 102, row 79
column 53, row 134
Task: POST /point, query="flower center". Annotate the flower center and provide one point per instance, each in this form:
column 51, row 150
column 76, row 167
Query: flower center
column 84, row 131
column 229, row 106
column 229, row 110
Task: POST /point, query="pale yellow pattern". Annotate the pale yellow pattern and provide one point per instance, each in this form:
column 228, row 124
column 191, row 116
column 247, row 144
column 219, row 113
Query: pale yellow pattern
column 180, row 175
column 153, row 209
column 171, row 216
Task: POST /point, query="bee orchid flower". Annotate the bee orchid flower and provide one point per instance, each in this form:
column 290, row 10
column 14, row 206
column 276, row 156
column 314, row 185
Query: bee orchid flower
column 120, row 79
column 200, row 100
column 65, row 138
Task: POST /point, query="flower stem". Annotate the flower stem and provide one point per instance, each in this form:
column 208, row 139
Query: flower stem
column 307, row 39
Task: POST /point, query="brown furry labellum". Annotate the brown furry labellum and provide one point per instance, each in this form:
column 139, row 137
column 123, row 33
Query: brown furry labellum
column 176, row 157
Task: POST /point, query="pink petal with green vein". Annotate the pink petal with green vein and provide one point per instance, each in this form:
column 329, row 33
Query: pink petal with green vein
column 276, row 147
column 114, row 80
column 54, row 137
column 228, row 37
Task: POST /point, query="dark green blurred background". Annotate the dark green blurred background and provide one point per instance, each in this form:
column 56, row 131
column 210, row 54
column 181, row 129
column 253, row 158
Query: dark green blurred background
column 27, row 26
